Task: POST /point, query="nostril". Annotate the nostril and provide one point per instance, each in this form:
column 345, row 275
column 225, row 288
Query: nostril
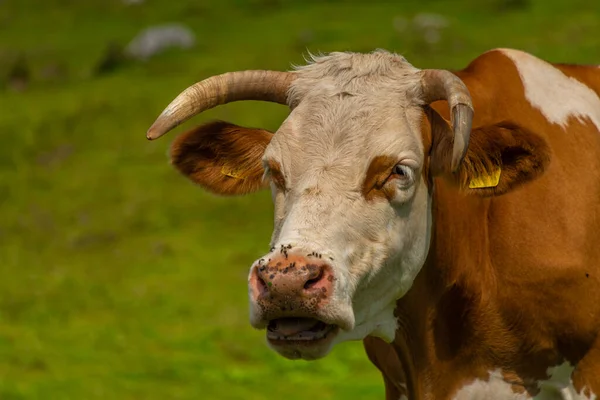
column 315, row 278
column 261, row 284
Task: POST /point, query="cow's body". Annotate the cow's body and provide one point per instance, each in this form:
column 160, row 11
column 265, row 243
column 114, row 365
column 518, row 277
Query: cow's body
column 506, row 302
column 511, row 288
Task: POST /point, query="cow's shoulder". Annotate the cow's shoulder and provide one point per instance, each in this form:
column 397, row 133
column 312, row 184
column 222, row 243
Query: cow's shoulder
column 508, row 81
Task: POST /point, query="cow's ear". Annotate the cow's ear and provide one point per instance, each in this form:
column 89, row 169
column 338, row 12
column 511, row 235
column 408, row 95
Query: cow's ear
column 499, row 158
column 223, row 158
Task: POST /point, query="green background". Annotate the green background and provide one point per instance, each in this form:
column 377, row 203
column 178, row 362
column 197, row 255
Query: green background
column 119, row 279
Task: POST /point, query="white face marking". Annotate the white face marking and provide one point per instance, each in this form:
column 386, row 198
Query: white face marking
column 558, row 386
column 556, row 95
column 377, row 247
column 351, row 109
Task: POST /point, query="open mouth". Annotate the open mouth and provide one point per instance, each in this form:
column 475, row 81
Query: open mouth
column 305, row 330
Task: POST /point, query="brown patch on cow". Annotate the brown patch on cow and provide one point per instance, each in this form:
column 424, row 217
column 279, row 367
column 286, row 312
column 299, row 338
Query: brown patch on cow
column 427, row 138
column 517, row 385
column 374, row 185
column 385, row 358
column 519, row 154
column 223, row 158
column 312, row 191
column 275, row 174
column 586, row 379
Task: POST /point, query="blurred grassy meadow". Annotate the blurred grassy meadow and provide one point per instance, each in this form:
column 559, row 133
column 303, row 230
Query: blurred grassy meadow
column 119, row 279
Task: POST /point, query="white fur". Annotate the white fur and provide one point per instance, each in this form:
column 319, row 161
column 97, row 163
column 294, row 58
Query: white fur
column 558, row 386
column 557, row 96
column 494, row 388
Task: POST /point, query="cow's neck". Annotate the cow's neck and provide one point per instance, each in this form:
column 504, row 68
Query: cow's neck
column 451, row 327
column 437, row 317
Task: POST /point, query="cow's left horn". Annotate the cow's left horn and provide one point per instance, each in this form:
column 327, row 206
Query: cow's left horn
column 220, row 89
column 440, row 84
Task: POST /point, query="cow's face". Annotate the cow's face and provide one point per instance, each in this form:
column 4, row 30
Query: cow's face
column 352, row 221
column 350, row 172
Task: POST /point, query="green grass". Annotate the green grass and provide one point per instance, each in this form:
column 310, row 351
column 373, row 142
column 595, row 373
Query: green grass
column 121, row 280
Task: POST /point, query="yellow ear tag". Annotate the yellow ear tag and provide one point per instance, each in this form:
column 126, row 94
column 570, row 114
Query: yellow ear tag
column 233, row 173
column 486, row 181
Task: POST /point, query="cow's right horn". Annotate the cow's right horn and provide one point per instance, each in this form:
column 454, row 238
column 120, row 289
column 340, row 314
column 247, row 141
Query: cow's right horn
column 440, row 84
column 269, row 86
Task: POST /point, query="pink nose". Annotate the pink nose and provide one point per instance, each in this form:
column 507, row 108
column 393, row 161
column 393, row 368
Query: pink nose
column 291, row 278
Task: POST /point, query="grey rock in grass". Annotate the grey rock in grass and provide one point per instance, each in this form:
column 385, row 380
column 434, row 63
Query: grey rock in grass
column 157, row 39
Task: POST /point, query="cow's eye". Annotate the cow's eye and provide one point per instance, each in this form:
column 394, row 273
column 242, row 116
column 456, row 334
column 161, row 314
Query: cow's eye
column 403, row 173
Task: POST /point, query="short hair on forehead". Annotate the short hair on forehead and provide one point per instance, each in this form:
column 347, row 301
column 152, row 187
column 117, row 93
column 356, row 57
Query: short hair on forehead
column 350, row 73
column 378, row 62
column 349, row 107
column 355, row 120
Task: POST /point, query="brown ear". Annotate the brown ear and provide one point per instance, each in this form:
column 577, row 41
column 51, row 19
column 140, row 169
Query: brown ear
column 223, row 158
column 500, row 157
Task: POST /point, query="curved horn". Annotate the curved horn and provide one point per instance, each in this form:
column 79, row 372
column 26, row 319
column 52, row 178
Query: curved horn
column 220, row 89
column 440, row 84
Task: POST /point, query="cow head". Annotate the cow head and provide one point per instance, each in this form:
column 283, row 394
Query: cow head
column 350, row 171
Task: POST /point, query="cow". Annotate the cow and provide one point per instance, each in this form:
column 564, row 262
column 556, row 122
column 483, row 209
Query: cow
column 448, row 219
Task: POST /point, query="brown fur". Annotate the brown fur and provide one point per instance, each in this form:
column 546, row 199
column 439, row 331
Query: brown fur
column 521, row 155
column 390, row 366
column 203, row 152
column 275, row 174
column 374, row 186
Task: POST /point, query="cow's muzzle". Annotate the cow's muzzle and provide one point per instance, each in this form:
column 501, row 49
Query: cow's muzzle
column 290, row 294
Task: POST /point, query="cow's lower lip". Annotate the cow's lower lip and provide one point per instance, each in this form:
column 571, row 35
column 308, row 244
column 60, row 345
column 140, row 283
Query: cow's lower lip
column 312, row 331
